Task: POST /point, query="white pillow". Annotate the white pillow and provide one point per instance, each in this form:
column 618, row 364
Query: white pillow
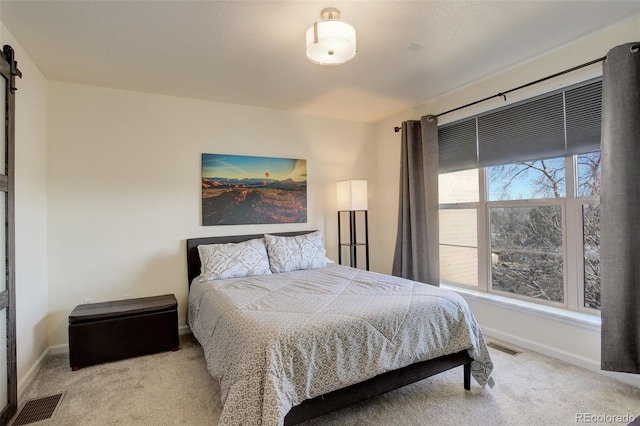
column 295, row 253
column 233, row 260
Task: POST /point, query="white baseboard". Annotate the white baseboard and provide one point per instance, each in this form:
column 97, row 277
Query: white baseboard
column 571, row 358
column 24, row 382
column 59, row 349
column 62, row 349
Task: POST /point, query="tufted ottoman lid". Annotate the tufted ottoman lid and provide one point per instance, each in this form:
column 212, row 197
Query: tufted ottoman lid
column 91, row 312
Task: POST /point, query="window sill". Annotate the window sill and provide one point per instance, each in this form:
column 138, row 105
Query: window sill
column 579, row 319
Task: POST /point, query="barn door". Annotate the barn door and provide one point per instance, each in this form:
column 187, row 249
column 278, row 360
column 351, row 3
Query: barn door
column 8, row 380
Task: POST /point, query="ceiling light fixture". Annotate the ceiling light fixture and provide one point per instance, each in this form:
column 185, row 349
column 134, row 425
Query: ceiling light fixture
column 331, row 41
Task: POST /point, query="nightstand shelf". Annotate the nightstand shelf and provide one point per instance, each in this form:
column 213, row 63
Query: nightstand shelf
column 353, row 236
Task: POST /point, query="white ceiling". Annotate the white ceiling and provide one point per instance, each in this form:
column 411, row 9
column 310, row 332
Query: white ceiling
column 253, row 52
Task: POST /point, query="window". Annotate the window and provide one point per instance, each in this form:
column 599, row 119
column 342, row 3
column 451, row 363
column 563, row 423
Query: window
column 524, row 223
column 526, row 181
column 591, row 255
column 459, row 246
column 589, row 166
column 458, row 227
column 527, row 242
column 527, row 228
column 527, row 251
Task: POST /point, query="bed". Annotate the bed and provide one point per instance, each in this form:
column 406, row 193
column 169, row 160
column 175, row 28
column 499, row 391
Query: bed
column 295, row 344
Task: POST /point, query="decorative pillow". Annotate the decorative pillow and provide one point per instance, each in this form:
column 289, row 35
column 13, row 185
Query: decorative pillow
column 233, row 260
column 295, row 253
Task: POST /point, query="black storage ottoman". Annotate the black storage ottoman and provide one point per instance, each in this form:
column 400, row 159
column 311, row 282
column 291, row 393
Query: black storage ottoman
column 109, row 331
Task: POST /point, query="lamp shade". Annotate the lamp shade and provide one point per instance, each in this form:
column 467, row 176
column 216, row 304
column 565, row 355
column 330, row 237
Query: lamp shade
column 331, row 41
column 352, row 195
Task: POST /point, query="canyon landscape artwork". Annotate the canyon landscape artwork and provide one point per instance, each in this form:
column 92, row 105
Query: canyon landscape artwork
column 240, row 190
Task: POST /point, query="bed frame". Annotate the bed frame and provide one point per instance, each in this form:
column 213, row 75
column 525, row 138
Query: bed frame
column 358, row 392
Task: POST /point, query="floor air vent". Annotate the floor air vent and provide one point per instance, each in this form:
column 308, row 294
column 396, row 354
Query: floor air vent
column 39, row 409
column 510, row 351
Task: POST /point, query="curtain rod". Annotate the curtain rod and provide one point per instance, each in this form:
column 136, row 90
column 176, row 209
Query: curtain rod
column 504, row 94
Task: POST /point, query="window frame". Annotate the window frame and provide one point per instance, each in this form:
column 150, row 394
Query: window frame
column 468, row 206
column 572, row 239
column 579, row 239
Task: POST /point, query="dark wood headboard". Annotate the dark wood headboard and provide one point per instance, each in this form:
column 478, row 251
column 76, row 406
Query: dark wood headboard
column 193, row 258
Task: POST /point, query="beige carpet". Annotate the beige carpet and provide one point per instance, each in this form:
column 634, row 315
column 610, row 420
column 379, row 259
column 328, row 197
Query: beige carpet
column 174, row 388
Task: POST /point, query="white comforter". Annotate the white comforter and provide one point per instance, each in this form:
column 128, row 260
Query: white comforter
column 276, row 340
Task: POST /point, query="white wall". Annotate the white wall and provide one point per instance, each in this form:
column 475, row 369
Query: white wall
column 573, row 343
column 30, row 212
column 124, row 185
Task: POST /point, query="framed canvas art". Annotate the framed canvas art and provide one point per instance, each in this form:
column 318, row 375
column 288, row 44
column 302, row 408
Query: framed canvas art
column 240, row 190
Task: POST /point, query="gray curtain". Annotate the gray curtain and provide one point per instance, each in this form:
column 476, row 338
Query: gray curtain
column 416, row 255
column 620, row 204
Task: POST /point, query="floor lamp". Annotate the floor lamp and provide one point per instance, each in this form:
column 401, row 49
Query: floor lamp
column 352, row 199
